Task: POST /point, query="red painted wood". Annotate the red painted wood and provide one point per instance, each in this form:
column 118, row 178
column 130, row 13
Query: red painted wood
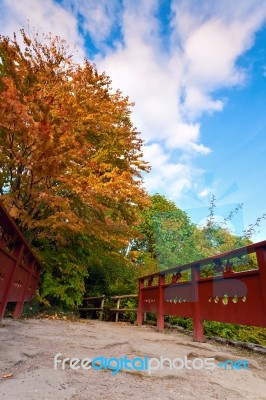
column 140, row 301
column 19, row 268
column 160, row 301
column 238, row 298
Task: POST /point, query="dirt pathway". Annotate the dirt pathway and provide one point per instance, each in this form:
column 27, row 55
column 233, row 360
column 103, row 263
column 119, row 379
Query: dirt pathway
column 28, row 348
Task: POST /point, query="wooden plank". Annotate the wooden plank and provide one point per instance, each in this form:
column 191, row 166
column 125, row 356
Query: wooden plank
column 126, row 296
column 94, row 298
column 124, row 309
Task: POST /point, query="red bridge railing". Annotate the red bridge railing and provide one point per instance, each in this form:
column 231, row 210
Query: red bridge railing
column 19, row 268
column 226, row 296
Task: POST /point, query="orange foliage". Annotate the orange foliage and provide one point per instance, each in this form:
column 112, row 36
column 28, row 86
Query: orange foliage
column 70, row 158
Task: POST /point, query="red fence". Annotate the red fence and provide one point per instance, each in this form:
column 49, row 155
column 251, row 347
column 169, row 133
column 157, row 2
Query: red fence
column 226, row 296
column 19, row 268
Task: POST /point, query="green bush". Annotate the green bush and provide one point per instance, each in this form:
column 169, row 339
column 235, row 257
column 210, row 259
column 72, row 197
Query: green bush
column 241, row 333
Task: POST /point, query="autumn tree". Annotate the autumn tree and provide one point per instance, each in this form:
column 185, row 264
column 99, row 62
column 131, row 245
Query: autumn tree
column 70, row 158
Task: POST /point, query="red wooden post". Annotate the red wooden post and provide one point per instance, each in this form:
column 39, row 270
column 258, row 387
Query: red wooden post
column 198, row 330
column 140, row 301
column 160, row 312
column 17, row 253
column 15, row 277
column 19, row 305
column 261, row 257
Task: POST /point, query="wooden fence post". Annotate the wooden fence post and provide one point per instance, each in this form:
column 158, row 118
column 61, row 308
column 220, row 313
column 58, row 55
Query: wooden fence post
column 101, row 312
column 198, row 330
column 160, row 313
column 100, row 309
column 17, row 252
column 140, row 298
column 117, row 312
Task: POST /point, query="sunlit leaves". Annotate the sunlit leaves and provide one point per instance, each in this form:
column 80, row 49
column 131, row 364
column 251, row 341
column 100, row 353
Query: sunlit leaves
column 70, row 159
column 70, row 156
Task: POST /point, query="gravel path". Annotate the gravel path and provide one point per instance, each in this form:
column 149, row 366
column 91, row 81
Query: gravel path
column 28, row 348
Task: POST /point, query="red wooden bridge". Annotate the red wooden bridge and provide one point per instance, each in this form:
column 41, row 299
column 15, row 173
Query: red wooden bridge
column 19, row 268
column 226, row 296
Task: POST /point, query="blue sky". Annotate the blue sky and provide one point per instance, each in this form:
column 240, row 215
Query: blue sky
column 197, row 73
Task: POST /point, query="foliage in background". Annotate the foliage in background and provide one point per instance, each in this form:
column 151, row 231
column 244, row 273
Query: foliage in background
column 169, row 238
column 215, row 237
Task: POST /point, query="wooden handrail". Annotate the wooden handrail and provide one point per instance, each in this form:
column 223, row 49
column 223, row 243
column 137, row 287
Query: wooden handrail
column 102, row 298
column 126, row 296
column 251, row 248
column 227, row 296
column 118, row 310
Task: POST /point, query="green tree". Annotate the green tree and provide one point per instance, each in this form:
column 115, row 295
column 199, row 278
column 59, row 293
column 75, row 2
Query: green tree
column 167, row 237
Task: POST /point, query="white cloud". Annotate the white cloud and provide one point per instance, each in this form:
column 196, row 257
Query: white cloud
column 196, row 102
column 172, row 88
column 204, row 193
column 211, row 51
column 173, row 80
column 212, row 36
column 98, row 18
column 45, row 16
column 168, row 176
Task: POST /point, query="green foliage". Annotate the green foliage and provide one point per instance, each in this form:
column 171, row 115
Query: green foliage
column 31, row 309
column 236, row 332
column 214, row 239
column 130, row 303
column 110, row 272
column 147, row 242
column 166, row 237
column 185, row 323
column 65, row 268
column 174, row 239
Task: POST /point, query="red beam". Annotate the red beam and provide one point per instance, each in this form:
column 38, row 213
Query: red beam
column 19, row 267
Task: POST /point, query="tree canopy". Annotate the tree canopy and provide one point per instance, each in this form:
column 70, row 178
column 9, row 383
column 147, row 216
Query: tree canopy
column 70, row 158
column 169, row 238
